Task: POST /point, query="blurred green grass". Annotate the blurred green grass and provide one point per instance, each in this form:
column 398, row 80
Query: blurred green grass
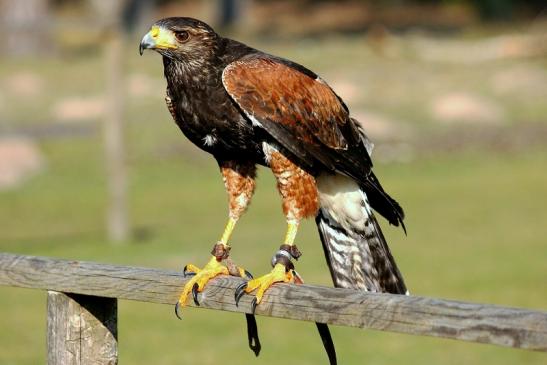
column 474, row 234
column 476, row 228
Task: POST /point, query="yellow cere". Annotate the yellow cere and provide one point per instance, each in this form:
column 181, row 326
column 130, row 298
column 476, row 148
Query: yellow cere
column 155, row 31
column 163, row 38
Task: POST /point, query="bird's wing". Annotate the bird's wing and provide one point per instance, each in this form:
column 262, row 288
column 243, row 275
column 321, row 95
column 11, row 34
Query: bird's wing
column 304, row 115
column 272, row 92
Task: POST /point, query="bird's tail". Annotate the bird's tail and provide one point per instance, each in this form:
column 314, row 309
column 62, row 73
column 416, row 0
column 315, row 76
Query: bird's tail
column 355, row 248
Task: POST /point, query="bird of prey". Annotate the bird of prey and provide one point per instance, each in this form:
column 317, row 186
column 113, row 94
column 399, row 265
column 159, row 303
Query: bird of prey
column 249, row 108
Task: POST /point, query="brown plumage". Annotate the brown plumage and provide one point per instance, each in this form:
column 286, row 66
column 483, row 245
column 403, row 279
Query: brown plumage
column 239, row 181
column 267, row 89
column 297, row 188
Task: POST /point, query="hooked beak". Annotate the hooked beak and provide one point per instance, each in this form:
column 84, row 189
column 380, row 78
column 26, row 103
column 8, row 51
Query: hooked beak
column 157, row 38
column 147, row 42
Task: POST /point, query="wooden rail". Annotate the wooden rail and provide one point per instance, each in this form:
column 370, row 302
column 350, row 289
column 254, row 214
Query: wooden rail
column 511, row 327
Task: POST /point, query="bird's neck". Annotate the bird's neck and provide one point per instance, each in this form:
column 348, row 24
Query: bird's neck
column 191, row 76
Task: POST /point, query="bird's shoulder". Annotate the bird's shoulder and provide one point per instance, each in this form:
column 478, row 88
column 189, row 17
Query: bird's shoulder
column 235, row 51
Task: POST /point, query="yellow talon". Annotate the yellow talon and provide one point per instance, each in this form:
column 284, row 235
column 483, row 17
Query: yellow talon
column 244, row 273
column 191, row 269
column 277, row 275
column 201, row 277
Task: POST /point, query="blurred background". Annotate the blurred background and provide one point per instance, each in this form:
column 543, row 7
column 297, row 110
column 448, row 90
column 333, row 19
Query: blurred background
column 452, row 92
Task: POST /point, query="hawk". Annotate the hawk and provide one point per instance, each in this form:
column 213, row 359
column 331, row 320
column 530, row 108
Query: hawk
column 248, row 108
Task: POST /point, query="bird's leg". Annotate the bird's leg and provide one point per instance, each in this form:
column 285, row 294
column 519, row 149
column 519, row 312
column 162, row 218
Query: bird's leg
column 221, row 253
column 239, row 180
column 200, row 277
column 240, row 183
column 215, row 267
column 299, row 196
column 232, row 268
column 220, row 250
column 283, row 269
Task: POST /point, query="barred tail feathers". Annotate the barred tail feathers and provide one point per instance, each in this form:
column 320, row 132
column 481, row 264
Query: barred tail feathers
column 355, row 248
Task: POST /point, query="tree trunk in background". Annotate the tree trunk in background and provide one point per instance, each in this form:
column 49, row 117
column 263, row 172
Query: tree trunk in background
column 118, row 222
column 25, row 25
column 113, row 128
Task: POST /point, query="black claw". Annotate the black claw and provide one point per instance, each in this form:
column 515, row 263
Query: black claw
column 253, row 305
column 240, row 290
column 185, row 273
column 248, row 275
column 297, row 278
column 195, row 293
column 177, row 310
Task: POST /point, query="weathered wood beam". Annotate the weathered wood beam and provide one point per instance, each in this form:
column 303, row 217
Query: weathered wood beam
column 511, row 327
column 81, row 329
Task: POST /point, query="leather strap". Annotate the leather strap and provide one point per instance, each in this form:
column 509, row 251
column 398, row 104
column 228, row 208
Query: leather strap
column 221, row 251
column 328, row 344
column 284, row 256
column 292, row 250
column 252, row 334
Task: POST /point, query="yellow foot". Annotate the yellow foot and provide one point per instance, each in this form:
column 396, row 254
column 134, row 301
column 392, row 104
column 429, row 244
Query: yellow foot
column 198, row 281
column 277, row 275
column 200, row 277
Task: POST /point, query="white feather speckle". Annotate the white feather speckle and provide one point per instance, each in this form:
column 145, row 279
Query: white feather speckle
column 254, row 121
column 268, row 149
column 242, row 200
column 209, row 140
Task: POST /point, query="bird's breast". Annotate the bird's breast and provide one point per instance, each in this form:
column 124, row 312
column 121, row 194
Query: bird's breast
column 215, row 126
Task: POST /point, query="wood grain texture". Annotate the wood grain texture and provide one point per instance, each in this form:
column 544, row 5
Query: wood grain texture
column 81, row 329
column 511, row 327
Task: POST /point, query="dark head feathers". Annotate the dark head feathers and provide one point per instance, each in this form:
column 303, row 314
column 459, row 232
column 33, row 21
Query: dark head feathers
column 179, row 23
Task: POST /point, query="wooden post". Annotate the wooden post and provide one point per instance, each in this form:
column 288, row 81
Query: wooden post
column 81, row 329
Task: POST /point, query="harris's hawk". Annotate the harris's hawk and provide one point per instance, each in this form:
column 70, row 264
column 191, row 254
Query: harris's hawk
column 246, row 107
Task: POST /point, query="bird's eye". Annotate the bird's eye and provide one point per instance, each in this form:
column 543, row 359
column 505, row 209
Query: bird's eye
column 182, row 36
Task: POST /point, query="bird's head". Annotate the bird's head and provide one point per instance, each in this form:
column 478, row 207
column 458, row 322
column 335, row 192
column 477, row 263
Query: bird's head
column 183, row 39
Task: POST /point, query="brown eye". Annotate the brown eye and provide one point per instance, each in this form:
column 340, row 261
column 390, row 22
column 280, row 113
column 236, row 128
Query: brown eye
column 182, row 36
